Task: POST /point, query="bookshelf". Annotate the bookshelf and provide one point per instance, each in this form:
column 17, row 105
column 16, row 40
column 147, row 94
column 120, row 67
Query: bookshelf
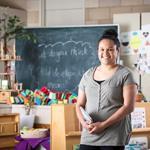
column 9, row 128
column 143, row 132
column 7, row 71
column 65, row 126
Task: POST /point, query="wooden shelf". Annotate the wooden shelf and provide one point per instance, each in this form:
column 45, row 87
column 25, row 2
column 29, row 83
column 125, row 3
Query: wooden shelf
column 9, row 114
column 66, row 126
column 141, row 130
column 9, row 90
column 74, row 133
column 16, row 59
column 4, row 74
column 137, row 130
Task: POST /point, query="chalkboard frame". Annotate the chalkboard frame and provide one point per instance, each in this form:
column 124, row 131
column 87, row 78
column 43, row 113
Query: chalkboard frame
column 34, row 71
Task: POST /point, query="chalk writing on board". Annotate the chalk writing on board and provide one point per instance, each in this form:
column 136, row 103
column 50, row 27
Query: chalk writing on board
column 72, row 48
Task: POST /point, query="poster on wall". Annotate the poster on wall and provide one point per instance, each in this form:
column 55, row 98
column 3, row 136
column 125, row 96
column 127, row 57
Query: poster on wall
column 130, row 42
column 143, row 59
column 137, row 43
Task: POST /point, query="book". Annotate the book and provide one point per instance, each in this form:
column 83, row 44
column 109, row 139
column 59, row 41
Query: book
column 4, row 84
column 86, row 116
column 142, row 141
column 138, row 118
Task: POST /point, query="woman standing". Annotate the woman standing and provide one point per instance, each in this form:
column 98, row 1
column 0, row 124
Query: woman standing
column 107, row 92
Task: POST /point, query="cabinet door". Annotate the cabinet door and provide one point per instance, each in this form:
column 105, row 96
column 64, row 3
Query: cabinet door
column 9, row 128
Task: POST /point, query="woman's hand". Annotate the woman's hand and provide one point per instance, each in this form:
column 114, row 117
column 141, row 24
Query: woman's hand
column 97, row 127
column 86, row 125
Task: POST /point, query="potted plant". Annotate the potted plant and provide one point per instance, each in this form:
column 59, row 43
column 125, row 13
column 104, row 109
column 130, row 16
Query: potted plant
column 11, row 27
column 27, row 119
column 27, row 96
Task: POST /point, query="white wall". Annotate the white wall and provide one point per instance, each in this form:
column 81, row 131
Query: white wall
column 10, row 11
column 146, row 77
column 50, row 12
column 4, row 108
column 126, row 21
column 34, row 13
column 42, row 113
column 55, row 12
column 64, row 12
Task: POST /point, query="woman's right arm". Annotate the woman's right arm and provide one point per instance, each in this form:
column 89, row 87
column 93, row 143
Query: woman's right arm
column 81, row 101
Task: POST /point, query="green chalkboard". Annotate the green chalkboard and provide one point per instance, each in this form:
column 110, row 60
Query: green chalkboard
column 59, row 58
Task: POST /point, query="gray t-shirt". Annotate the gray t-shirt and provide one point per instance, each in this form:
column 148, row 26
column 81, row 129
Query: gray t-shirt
column 102, row 101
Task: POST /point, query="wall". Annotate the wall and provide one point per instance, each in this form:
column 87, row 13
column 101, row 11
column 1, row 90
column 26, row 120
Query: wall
column 32, row 8
column 66, row 12
column 61, row 14
column 70, row 12
column 17, row 4
column 4, row 108
column 37, row 111
column 102, row 11
column 11, row 11
column 34, row 13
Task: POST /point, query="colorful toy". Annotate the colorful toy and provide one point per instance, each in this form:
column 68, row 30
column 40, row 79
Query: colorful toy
column 44, row 96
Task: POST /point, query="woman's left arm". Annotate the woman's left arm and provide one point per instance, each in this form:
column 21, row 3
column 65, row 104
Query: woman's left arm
column 129, row 93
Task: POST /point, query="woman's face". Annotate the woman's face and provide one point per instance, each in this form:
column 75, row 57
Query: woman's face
column 107, row 52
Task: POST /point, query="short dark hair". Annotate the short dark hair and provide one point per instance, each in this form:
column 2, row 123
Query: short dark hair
column 111, row 34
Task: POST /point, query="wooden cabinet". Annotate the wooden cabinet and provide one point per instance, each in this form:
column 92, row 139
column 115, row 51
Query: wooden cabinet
column 140, row 132
column 64, row 127
column 8, row 72
column 9, row 128
column 65, row 130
